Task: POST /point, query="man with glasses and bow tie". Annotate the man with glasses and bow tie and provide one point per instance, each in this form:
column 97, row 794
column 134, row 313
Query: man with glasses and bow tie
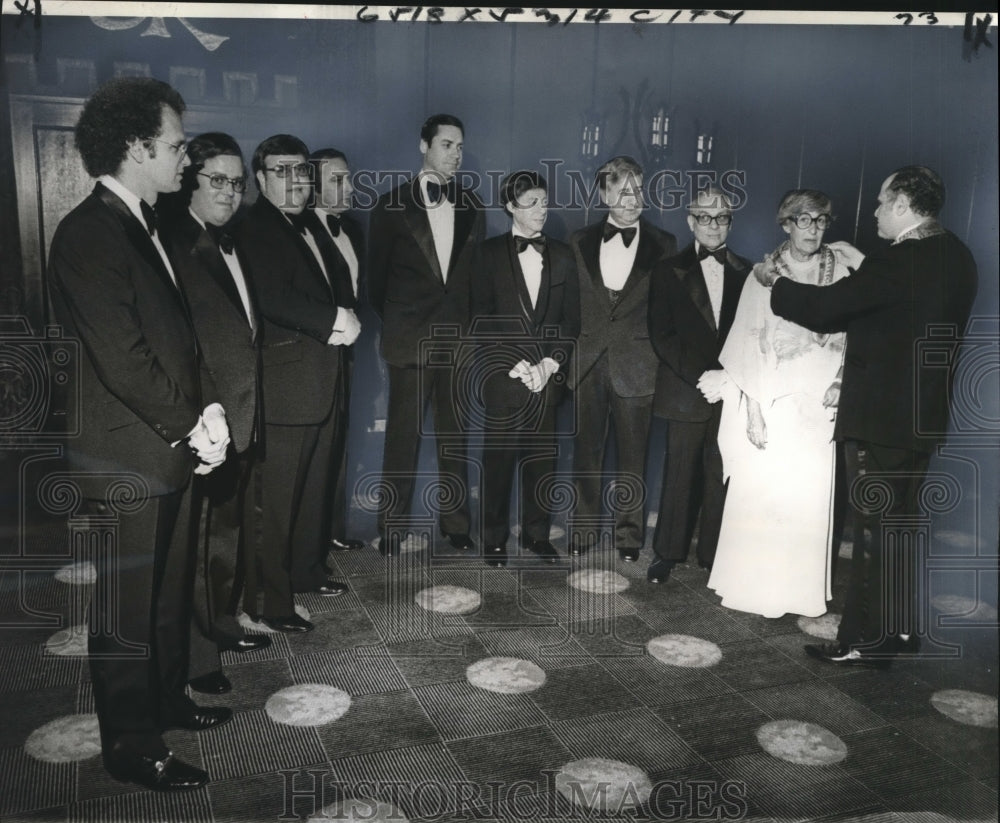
column 692, row 303
column 213, row 274
column 307, row 322
column 615, row 370
column 526, row 305
column 146, row 405
column 422, row 238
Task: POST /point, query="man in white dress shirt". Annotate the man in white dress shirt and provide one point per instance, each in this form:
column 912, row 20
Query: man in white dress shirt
column 615, row 367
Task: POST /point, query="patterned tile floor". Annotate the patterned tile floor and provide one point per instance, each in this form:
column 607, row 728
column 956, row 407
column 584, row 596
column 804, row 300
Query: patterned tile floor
column 764, row 733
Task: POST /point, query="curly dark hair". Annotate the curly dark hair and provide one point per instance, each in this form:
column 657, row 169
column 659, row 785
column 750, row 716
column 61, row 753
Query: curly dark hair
column 923, row 186
column 122, row 110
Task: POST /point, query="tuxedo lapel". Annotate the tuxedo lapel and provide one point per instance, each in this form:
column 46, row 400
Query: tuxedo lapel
column 138, row 236
column 689, row 271
column 215, row 265
column 542, row 304
column 590, row 250
column 645, row 257
column 415, row 214
column 283, row 224
column 465, row 216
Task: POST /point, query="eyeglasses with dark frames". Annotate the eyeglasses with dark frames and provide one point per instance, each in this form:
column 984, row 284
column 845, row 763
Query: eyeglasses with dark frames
column 719, row 219
column 218, row 181
column 804, row 221
column 300, row 171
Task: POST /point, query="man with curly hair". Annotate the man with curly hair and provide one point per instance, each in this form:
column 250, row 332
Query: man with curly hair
column 148, row 425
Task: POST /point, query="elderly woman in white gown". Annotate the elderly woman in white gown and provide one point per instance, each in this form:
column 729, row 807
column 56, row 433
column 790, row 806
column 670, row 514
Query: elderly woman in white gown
column 776, row 433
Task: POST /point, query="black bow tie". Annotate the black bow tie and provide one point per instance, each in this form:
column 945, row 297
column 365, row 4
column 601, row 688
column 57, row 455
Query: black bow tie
column 719, row 254
column 537, row 242
column 435, row 190
column 333, row 223
column 628, row 235
column 149, row 216
column 222, row 238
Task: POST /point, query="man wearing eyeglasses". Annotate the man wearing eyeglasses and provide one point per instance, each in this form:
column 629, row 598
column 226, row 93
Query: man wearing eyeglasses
column 692, row 303
column 225, row 317
column 615, row 368
column 146, row 405
column 306, row 324
column 894, row 401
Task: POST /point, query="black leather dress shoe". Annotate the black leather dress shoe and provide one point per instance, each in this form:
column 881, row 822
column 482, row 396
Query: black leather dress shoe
column 331, row 588
column 495, row 555
column 251, row 642
column 294, row 623
column 703, row 565
column 167, row 775
column 659, row 571
column 544, row 549
column 629, row 555
column 345, row 544
column 211, row 683
column 841, row 655
column 462, row 542
column 577, row 549
column 201, row 718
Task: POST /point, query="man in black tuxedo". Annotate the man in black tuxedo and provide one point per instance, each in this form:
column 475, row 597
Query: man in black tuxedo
column 615, row 369
column 692, row 303
column 893, row 410
column 422, row 238
column 227, row 324
column 526, row 310
column 333, row 193
column 306, row 325
column 143, row 398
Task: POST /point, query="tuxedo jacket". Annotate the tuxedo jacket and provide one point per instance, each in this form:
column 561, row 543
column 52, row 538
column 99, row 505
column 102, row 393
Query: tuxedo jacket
column 510, row 329
column 896, row 384
column 300, row 371
column 229, row 339
column 619, row 330
column 140, row 377
column 405, row 283
column 683, row 331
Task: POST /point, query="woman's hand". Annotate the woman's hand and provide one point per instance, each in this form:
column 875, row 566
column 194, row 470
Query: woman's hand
column 756, row 428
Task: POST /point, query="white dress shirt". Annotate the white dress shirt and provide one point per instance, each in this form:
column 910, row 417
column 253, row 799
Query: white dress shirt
column 714, row 273
column 442, row 220
column 531, row 267
column 616, row 260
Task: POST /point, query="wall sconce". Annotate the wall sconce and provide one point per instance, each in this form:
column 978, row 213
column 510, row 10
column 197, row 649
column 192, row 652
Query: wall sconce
column 703, row 153
column 590, row 137
column 659, row 136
